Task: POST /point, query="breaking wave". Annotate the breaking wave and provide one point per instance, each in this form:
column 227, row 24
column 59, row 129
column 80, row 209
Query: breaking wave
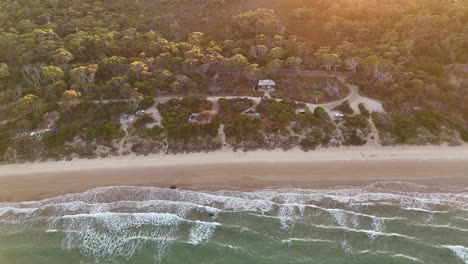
column 118, row 224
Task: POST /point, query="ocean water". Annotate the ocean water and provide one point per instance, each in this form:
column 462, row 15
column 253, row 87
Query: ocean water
column 384, row 223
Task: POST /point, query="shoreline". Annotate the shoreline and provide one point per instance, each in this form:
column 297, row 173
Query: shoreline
column 324, row 168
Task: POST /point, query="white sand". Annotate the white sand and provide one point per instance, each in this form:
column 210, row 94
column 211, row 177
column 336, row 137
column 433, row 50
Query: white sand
column 400, row 153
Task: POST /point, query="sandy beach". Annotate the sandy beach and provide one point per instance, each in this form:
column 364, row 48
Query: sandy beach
column 239, row 170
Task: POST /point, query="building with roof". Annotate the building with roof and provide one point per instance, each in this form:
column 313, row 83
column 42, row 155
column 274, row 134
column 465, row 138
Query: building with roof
column 266, row 85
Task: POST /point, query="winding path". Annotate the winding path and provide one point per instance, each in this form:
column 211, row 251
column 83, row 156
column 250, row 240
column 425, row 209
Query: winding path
column 354, row 98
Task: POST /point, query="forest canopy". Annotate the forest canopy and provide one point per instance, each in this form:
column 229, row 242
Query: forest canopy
column 57, row 56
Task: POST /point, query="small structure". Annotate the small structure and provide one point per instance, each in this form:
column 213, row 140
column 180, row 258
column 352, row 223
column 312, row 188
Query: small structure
column 202, row 118
column 20, row 134
column 193, row 117
column 301, row 111
column 266, row 85
column 250, row 112
column 126, row 119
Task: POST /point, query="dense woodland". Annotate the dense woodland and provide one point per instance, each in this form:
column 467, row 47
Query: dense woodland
column 76, row 66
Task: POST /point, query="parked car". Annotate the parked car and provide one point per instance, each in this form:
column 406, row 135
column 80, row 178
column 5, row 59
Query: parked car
column 338, row 116
column 140, row 112
column 49, row 128
column 249, row 111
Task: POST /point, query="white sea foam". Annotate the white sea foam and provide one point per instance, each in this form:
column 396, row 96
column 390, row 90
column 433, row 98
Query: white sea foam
column 423, row 210
column 340, row 216
column 263, row 200
column 448, row 226
column 408, row 258
column 378, row 225
column 202, row 232
column 400, row 256
column 313, row 240
column 346, row 247
column 14, row 210
column 459, row 251
column 461, row 218
column 114, row 220
column 110, row 235
column 120, row 221
column 367, row 232
column 286, row 215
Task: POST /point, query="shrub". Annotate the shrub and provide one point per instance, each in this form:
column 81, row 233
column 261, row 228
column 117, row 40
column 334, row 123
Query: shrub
column 141, row 122
column 146, row 103
column 308, row 143
column 156, row 132
column 364, row 110
column 404, row 129
column 345, row 108
column 433, row 69
column 243, row 128
column 464, row 135
column 3, row 147
column 355, row 140
column 430, row 119
column 358, row 121
column 228, row 108
column 320, row 112
column 54, row 141
column 106, row 132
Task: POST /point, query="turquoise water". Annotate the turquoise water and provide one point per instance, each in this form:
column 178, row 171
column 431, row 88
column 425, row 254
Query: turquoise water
column 390, row 222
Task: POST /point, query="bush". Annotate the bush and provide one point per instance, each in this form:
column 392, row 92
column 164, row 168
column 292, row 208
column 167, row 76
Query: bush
column 404, row 129
column 146, row 103
column 141, row 122
column 54, row 141
column 345, row 108
column 278, row 113
column 315, row 139
column 432, row 120
column 228, row 108
column 188, row 104
column 355, row 140
column 106, row 132
column 144, row 88
column 358, row 121
column 433, row 69
column 156, row 132
column 3, row 147
column 70, row 132
column 464, row 135
column 320, row 112
column 244, row 128
column 308, row 143
column 364, row 110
